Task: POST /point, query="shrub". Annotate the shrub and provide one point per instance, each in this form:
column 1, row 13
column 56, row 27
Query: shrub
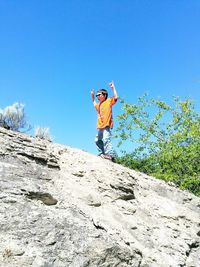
column 43, row 133
column 13, row 117
column 167, row 138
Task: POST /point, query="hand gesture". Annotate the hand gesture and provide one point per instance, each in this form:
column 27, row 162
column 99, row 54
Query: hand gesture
column 111, row 84
column 92, row 92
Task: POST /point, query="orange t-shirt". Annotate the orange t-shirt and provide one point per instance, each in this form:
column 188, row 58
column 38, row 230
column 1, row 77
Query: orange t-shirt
column 104, row 111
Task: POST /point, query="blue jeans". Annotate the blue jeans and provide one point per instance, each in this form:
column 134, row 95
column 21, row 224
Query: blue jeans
column 103, row 141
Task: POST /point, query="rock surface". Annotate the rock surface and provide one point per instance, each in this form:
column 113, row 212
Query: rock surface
column 63, row 207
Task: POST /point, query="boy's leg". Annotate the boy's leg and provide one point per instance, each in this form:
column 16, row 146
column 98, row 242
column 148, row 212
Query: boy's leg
column 108, row 148
column 99, row 141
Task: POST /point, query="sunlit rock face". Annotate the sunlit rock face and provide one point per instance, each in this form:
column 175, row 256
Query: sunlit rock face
column 63, row 207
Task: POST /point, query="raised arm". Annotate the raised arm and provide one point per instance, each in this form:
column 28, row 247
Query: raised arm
column 92, row 96
column 112, row 86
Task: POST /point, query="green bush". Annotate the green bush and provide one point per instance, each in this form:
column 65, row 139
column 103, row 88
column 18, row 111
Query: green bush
column 167, row 138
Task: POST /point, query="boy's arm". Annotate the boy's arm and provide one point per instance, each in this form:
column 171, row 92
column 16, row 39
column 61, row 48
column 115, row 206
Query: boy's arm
column 92, row 96
column 112, row 86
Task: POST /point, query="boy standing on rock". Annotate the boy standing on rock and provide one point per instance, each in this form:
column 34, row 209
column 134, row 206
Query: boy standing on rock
column 104, row 120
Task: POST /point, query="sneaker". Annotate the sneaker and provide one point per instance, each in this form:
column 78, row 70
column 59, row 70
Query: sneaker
column 106, row 156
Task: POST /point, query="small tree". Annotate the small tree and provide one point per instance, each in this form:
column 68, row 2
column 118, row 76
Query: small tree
column 168, row 141
column 13, row 118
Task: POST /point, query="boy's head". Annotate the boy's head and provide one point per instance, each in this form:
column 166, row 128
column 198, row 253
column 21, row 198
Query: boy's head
column 102, row 92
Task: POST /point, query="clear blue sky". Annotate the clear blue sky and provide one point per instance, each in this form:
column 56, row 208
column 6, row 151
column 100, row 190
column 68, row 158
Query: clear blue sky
column 52, row 52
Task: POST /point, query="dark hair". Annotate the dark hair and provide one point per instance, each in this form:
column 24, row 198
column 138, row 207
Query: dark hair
column 103, row 92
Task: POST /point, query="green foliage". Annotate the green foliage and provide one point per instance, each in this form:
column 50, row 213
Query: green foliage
column 167, row 138
column 192, row 184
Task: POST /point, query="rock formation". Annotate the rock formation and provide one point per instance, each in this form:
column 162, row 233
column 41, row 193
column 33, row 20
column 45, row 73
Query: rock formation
column 63, row 207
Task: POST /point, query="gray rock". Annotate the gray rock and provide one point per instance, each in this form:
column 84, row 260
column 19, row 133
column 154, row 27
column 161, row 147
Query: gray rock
column 63, row 207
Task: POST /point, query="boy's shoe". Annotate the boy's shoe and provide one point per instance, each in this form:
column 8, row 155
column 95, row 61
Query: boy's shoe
column 106, row 156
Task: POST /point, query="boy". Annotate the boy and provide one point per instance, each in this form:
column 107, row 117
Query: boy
column 104, row 120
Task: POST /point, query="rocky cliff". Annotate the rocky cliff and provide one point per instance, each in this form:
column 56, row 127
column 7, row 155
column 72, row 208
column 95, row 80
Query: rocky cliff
column 63, row 207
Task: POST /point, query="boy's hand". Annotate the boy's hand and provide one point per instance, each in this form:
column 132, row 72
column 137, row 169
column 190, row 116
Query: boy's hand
column 92, row 96
column 92, row 92
column 111, row 84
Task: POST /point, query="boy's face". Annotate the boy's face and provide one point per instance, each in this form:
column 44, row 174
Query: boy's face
column 101, row 97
